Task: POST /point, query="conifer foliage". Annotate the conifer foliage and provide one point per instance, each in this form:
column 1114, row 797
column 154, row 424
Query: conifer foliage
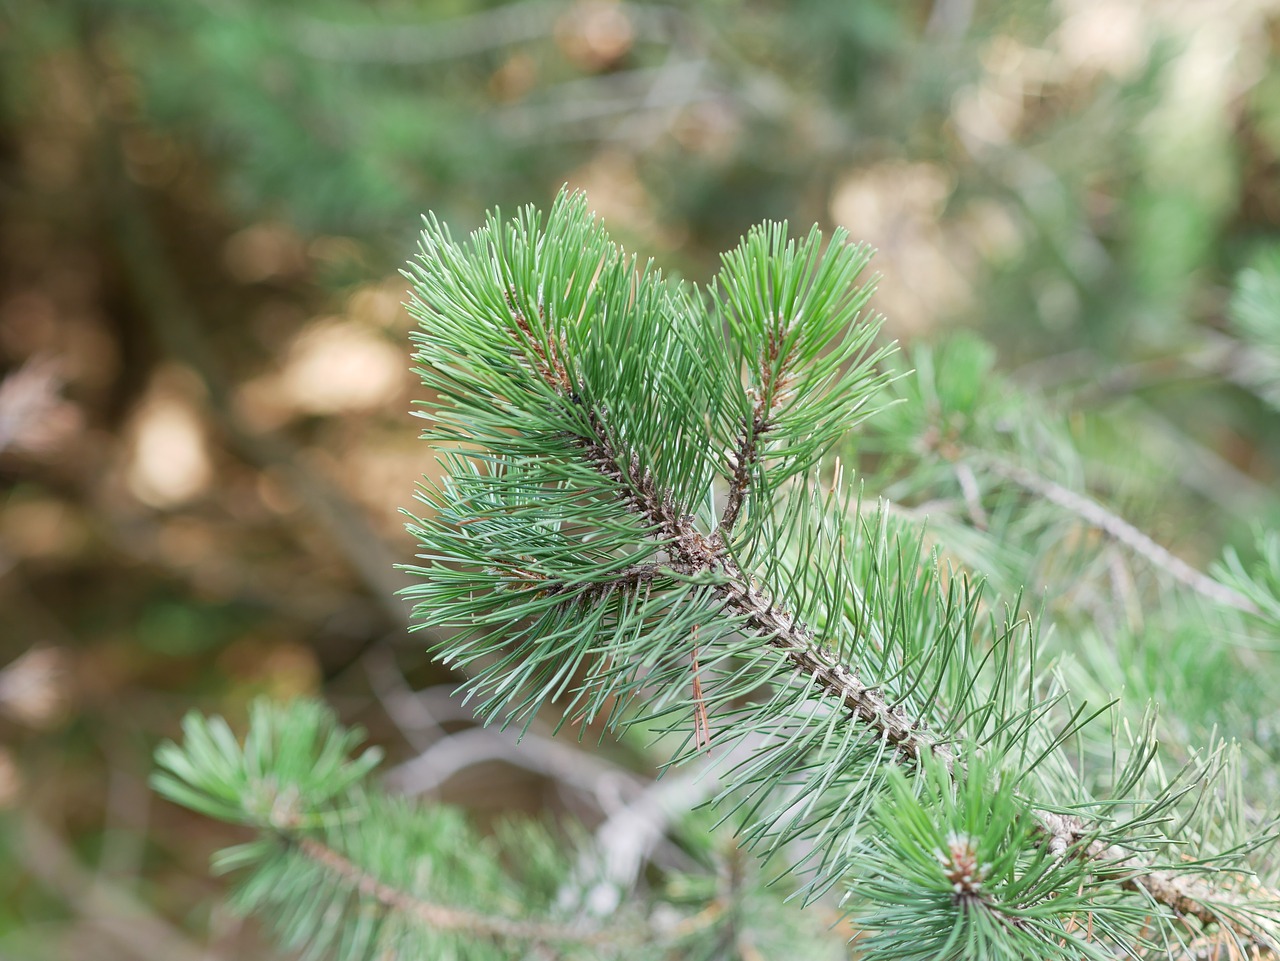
column 639, row 528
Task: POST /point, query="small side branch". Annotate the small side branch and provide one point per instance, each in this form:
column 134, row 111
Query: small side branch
column 625, row 581
column 1120, row 530
column 640, row 491
column 774, row 390
column 741, row 463
column 443, row 917
column 548, row 356
column 1186, row 895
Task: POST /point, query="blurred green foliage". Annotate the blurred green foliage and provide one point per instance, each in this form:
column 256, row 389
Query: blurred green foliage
column 190, row 189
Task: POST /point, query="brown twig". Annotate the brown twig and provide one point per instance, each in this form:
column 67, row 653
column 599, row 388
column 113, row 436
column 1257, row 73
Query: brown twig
column 701, row 724
column 1121, row 531
column 108, row 906
column 548, row 355
column 1186, row 895
column 774, row 390
column 444, row 917
column 33, row 414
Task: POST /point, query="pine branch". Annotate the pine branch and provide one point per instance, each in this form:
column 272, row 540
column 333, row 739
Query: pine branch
column 691, row 553
column 443, row 917
column 632, row 525
column 577, row 539
column 342, row 870
column 332, row 848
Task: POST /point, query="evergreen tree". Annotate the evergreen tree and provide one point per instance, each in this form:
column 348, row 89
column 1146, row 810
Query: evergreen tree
column 641, row 528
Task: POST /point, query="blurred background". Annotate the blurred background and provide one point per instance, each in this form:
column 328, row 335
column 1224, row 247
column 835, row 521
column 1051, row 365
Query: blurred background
column 204, row 367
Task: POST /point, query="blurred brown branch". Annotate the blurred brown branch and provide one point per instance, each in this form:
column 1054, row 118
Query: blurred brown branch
column 178, row 327
column 107, row 907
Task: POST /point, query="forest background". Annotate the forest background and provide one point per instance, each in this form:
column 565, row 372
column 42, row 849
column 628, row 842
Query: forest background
column 204, row 437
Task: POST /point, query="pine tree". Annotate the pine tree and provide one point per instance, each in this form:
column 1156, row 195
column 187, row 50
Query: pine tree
column 645, row 524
